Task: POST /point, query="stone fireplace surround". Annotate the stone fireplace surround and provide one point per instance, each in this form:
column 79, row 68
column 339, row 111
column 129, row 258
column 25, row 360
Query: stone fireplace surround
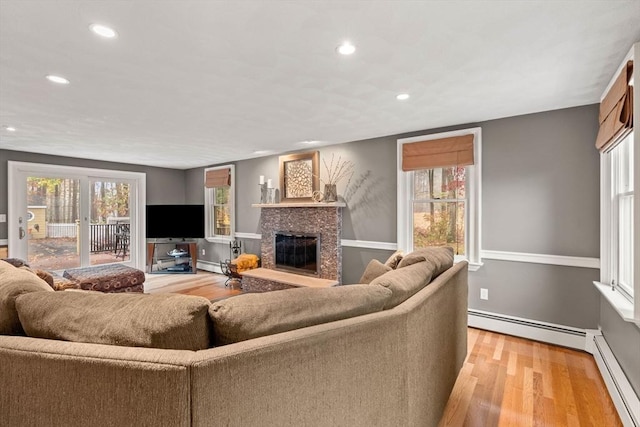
column 321, row 218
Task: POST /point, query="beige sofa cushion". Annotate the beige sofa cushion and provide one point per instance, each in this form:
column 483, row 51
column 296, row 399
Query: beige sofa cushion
column 168, row 321
column 405, row 282
column 440, row 257
column 394, row 259
column 374, row 269
column 248, row 316
column 13, row 283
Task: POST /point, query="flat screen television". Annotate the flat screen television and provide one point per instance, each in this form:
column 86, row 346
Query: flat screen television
column 175, row 221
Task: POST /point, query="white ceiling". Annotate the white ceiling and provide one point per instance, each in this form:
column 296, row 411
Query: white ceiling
column 192, row 83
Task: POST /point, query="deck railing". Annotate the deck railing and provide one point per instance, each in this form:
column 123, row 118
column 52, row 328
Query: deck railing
column 102, row 237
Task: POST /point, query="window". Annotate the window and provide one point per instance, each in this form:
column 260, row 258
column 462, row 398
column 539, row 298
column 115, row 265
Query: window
column 219, row 203
column 621, row 215
column 440, row 206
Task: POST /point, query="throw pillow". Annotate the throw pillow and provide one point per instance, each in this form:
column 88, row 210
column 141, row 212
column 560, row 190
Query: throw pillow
column 374, row 269
column 248, row 316
column 167, row 321
column 46, row 276
column 394, row 259
column 405, row 282
column 440, row 257
column 13, row 283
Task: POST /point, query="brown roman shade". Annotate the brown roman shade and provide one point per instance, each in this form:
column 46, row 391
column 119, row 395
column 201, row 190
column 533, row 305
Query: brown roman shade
column 438, row 153
column 218, row 178
column 616, row 110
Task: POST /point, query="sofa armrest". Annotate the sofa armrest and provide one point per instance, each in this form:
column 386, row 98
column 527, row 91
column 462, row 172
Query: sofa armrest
column 58, row 383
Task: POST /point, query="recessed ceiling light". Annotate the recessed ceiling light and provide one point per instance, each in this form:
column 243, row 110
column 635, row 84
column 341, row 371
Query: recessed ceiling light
column 262, row 152
column 57, row 79
column 310, row 142
column 346, row 48
column 103, row 31
column 10, row 128
column 402, row 96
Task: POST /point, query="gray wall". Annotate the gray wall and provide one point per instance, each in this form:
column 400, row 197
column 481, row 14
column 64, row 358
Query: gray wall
column 624, row 340
column 163, row 185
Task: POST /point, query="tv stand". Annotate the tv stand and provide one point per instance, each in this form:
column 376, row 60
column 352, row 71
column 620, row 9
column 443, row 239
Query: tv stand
column 172, row 256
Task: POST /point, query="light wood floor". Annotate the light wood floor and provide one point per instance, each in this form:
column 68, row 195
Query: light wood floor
column 505, row 381
column 508, row 381
column 203, row 284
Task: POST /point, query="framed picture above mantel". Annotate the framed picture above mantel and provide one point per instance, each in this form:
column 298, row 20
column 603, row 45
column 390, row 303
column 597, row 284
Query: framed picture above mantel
column 299, row 176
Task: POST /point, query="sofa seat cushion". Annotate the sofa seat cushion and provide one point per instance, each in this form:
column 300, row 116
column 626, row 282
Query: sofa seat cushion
column 167, row 321
column 374, row 269
column 405, row 282
column 248, row 316
column 13, row 283
column 440, row 257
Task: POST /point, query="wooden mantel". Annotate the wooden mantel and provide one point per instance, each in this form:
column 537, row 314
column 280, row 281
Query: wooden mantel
column 299, row 205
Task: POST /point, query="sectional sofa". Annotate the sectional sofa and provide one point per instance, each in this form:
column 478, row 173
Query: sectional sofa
column 261, row 360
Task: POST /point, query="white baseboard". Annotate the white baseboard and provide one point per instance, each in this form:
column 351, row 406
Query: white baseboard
column 565, row 336
column 624, row 398
column 213, row 267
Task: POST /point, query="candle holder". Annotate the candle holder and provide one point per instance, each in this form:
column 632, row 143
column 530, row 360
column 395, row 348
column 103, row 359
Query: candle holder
column 263, row 193
column 271, row 196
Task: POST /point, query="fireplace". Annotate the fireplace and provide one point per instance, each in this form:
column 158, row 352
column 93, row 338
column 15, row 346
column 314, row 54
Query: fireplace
column 297, row 252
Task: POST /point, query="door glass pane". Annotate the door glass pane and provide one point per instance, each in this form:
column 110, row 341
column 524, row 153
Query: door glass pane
column 439, row 224
column 110, row 225
column 52, row 223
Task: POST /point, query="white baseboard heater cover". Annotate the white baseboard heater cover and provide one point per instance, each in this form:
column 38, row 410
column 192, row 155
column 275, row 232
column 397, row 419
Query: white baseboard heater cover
column 620, row 390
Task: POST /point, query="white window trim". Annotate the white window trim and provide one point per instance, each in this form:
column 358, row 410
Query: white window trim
column 628, row 309
column 210, row 237
column 474, row 191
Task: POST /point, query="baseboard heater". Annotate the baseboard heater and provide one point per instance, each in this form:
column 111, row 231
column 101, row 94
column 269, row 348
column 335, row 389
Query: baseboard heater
column 526, row 328
column 213, row 267
column 620, row 390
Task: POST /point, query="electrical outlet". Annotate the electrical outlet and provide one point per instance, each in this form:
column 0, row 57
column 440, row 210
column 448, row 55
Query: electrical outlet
column 203, row 251
column 484, row 293
column 3, row 217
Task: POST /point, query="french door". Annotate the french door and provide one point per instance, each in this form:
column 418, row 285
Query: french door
column 63, row 217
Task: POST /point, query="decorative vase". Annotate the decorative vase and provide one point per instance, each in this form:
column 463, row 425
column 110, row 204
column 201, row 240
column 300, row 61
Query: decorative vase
column 330, row 193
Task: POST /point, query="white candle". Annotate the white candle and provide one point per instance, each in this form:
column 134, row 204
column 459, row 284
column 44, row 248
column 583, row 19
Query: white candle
column 261, row 179
column 269, row 185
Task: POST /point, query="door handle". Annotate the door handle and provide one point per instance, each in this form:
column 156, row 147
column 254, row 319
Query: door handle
column 21, row 233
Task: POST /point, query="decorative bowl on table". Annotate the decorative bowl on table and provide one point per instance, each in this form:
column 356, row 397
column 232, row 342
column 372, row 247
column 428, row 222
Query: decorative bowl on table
column 177, row 252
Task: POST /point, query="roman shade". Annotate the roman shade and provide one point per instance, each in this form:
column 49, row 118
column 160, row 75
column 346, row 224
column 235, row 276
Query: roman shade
column 616, row 110
column 218, row 178
column 438, row 153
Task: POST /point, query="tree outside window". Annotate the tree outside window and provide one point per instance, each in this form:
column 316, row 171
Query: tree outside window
column 221, row 211
column 439, row 208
